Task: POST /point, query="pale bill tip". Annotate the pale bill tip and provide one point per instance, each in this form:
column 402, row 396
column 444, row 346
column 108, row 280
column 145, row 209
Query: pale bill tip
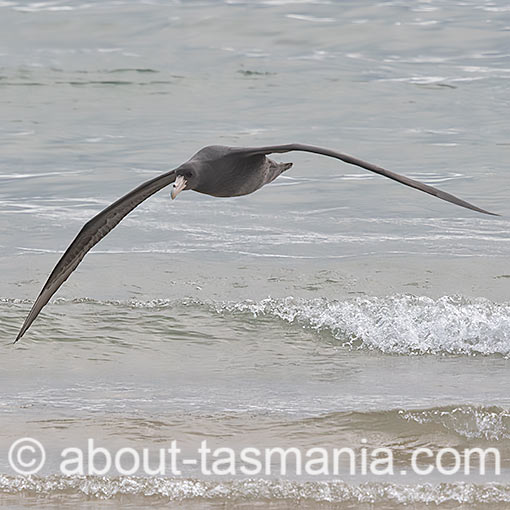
column 179, row 185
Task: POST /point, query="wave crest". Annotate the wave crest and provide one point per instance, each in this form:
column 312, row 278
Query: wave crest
column 336, row 491
column 402, row 324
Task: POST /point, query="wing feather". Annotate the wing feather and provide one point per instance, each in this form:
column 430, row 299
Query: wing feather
column 368, row 166
column 91, row 233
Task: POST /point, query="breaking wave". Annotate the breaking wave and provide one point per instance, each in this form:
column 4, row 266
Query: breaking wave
column 402, row 324
column 399, row 324
column 257, row 489
column 471, row 422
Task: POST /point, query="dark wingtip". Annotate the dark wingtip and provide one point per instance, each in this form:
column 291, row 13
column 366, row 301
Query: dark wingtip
column 21, row 332
column 489, row 213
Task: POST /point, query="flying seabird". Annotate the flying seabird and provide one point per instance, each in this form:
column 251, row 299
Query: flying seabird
column 218, row 171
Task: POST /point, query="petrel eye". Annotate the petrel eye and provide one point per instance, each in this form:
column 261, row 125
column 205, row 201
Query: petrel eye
column 188, row 175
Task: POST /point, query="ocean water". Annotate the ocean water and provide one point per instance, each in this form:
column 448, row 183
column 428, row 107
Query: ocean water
column 332, row 308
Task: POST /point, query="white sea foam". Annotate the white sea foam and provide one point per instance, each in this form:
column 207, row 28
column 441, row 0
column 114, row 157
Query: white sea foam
column 336, row 491
column 401, row 324
column 471, row 422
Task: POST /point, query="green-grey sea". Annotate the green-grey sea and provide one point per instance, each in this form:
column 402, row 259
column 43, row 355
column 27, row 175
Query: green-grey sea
column 332, row 308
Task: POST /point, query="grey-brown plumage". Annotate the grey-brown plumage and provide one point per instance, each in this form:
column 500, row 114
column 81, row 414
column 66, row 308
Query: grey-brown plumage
column 217, row 171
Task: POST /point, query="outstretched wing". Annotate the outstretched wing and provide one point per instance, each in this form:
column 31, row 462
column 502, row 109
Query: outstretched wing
column 92, row 232
column 250, row 151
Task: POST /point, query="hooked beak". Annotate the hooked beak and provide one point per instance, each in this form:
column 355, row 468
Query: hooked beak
column 179, row 185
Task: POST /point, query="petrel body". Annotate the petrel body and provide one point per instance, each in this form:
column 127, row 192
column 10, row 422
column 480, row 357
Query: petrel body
column 218, row 171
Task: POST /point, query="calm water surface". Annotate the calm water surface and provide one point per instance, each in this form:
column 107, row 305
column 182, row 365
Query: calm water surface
column 331, row 307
